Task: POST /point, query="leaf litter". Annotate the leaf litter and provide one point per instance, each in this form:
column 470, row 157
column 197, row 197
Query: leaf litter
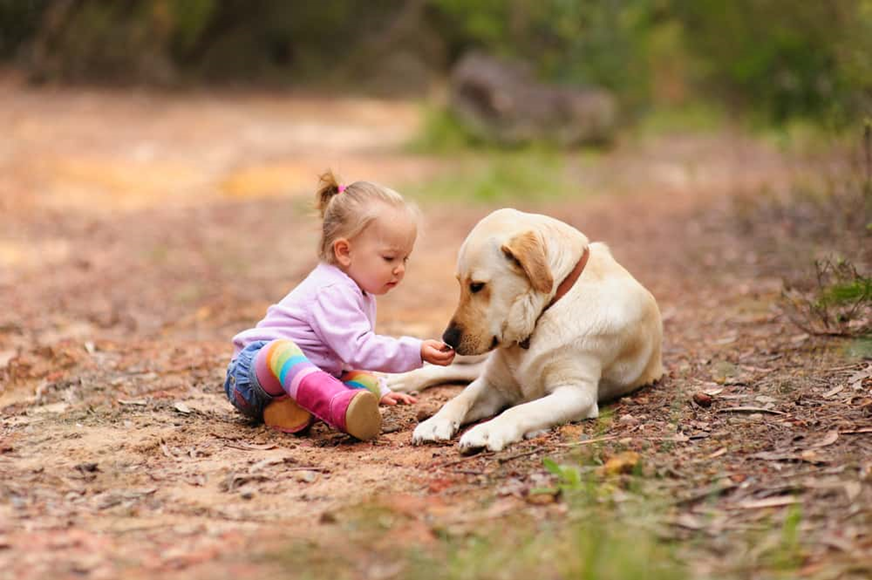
column 121, row 456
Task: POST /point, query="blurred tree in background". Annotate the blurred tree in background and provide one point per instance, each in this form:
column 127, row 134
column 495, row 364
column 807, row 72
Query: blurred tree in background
column 781, row 59
column 786, row 58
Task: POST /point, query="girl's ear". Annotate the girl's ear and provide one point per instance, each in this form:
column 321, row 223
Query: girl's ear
column 342, row 251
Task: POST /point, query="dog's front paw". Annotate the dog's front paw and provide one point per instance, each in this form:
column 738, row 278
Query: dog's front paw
column 435, row 428
column 493, row 435
column 403, row 383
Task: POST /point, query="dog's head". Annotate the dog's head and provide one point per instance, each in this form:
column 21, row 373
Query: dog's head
column 505, row 272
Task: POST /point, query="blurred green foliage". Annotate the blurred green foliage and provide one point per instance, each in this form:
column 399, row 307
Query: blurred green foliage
column 19, row 21
column 441, row 132
column 588, row 42
column 785, row 58
column 489, row 175
column 776, row 59
column 781, row 59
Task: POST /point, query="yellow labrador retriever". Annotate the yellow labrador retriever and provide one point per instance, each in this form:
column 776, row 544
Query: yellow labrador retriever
column 568, row 325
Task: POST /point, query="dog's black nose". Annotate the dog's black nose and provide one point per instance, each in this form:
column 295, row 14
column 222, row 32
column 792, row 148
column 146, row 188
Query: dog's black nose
column 451, row 336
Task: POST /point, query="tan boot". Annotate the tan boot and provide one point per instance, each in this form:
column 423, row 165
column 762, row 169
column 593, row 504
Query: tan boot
column 362, row 417
column 287, row 416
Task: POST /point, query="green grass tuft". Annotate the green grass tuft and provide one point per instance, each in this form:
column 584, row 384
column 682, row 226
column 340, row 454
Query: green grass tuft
column 849, row 292
column 441, row 133
column 497, row 176
column 696, row 118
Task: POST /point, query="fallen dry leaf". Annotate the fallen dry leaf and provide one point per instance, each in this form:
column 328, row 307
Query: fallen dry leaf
column 688, row 521
column 621, row 463
column 853, row 489
column 830, row 438
column 768, row 502
column 702, row 399
column 856, row 379
column 811, row 456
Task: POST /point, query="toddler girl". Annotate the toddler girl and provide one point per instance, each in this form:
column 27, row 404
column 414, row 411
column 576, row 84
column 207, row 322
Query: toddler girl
column 307, row 358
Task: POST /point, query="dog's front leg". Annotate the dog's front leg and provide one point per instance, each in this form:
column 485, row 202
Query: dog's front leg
column 464, row 369
column 567, row 403
column 476, row 401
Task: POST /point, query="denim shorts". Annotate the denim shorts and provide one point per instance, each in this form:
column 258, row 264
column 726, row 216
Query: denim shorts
column 241, row 385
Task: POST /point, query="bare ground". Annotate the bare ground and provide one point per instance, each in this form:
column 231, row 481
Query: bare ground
column 140, row 231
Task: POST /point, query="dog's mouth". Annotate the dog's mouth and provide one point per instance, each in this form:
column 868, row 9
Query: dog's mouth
column 467, row 349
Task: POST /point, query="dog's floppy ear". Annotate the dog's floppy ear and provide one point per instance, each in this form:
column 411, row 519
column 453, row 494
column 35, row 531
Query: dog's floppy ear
column 528, row 252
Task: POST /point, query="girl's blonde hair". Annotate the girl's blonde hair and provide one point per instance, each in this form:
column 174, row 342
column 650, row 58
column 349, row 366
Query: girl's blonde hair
column 348, row 211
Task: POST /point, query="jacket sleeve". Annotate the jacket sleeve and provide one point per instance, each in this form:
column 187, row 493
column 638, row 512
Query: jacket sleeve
column 340, row 322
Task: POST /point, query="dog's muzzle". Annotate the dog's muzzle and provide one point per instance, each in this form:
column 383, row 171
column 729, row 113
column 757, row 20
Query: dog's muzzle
column 452, row 335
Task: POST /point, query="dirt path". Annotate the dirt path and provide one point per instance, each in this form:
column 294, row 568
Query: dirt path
column 130, row 253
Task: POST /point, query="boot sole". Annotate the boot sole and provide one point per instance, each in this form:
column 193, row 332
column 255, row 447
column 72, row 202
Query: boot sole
column 287, row 416
column 362, row 417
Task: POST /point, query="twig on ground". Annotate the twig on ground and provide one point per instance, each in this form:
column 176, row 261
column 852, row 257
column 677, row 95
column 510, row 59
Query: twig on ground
column 468, row 471
column 769, row 502
column 502, row 460
column 304, row 468
column 588, row 441
column 462, row 459
column 750, row 410
column 706, row 493
column 250, row 446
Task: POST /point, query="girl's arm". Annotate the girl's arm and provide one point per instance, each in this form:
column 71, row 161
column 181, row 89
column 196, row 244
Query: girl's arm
column 340, row 322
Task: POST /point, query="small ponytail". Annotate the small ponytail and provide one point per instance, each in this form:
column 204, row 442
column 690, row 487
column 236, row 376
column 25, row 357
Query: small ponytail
column 350, row 213
column 328, row 188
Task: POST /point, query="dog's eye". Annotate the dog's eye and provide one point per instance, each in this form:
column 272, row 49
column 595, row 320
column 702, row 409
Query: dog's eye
column 476, row 287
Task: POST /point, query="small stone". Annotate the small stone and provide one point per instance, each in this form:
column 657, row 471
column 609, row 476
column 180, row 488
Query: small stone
column 423, row 414
column 328, row 518
column 87, row 467
column 702, row 399
column 628, row 420
column 541, row 498
column 307, row 476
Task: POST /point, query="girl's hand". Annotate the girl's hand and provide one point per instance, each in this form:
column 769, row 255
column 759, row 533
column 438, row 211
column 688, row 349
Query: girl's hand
column 401, row 398
column 437, row 352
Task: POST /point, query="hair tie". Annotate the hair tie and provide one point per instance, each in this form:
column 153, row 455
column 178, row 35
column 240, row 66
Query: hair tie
column 341, row 188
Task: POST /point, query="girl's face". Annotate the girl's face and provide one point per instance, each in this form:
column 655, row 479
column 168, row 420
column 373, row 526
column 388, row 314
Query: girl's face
column 376, row 258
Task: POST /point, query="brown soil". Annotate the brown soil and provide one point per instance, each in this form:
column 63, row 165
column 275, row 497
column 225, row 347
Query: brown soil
column 140, row 231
